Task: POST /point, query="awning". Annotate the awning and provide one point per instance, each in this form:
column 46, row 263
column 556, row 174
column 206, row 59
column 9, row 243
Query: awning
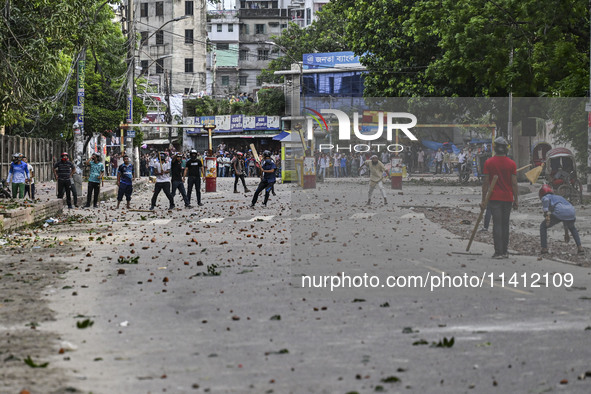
column 281, row 136
column 245, row 136
column 158, row 142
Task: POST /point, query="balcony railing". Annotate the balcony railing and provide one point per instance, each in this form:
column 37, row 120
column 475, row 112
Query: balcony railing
column 263, row 13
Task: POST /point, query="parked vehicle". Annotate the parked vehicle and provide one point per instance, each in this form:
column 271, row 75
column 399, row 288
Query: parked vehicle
column 561, row 173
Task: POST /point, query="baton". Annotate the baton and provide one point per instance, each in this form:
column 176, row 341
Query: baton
column 490, row 189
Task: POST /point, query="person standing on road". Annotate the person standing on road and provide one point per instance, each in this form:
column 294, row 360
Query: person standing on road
column 267, row 181
column 63, row 170
column 194, row 170
column 162, row 172
column 124, row 181
column 557, row 209
column 376, row 174
column 97, row 171
column 504, row 195
column 18, row 175
column 238, row 165
column 178, row 178
column 438, row 161
column 421, row 160
column 30, row 186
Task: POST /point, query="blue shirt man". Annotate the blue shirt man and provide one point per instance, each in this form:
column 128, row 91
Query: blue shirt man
column 97, row 169
column 124, row 181
column 18, row 174
column 268, row 180
column 557, row 209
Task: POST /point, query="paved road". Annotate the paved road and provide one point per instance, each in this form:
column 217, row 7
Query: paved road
column 170, row 324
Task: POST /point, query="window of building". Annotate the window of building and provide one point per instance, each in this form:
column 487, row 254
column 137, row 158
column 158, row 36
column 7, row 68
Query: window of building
column 283, row 26
column 188, row 90
column 143, row 10
column 230, row 28
column 263, row 54
column 159, row 66
column 244, row 29
column 219, row 27
column 189, row 65
column 222, row 47
column 259, row 28
column 144, row 64
column 160, row 37
column 243, row 80
column 159, row 8
column 189, row 8
column 188, row 36
column 225, row 80
column 243, row 54
column 209, row 28
column 308, row 16
column 144, row 39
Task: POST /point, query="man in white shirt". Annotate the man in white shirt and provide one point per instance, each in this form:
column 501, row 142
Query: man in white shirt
column 162, row 172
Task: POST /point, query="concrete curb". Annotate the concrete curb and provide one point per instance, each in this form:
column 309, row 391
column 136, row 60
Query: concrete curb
column 15, row 219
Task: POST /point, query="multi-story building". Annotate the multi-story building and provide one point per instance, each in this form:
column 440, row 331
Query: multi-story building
column 223, row 74
column 173, row 43
column 303, row 12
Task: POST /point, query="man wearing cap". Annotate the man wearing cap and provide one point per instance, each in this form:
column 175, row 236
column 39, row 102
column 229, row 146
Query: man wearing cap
column 267, row 181
column 194, row 172
column 18, row 175
column 178, row 178
column 63, row 170
column 376, row 174
column 124, row 181
column 504, row 195
column 238, row 165
column 162, row 172
column 97, row 170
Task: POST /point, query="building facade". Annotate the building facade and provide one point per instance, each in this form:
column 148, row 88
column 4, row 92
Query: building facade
column 172, row 46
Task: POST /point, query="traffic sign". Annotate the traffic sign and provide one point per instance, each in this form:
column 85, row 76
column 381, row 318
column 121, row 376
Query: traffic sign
column 131, row 133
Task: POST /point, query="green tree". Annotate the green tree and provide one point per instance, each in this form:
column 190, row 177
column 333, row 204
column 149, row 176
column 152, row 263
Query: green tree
column 327, row 34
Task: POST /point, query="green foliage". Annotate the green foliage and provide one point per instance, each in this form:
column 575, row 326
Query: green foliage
column 129, row 260
column 270, row 102
column 327, row 34
column 29, row 361
column 84, row 324
column 38, row 95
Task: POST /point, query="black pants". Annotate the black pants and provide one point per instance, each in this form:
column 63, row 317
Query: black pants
column 236, row 177
column 267, row 187
column 501, row 213
column 64, row 185
column 194, row 181
column 30, row 190
column 164, row 186
column 438, row 166
column 124, row 190
column 93, row 187
column 180, row 186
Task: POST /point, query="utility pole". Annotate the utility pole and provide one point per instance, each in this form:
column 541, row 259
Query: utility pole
column 78, row 126
column 589, row 113
column 130, row 82
column 168, row 116
column 214, row 72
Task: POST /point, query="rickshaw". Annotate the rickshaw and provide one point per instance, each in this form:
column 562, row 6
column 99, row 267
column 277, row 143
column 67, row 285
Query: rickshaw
column 539, row 153
column 561, row 174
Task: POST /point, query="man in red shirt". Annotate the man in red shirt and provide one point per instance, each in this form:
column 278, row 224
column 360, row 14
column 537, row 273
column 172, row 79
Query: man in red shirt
column 503, row 197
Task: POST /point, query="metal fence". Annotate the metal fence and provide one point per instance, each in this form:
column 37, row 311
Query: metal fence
column 41, row 153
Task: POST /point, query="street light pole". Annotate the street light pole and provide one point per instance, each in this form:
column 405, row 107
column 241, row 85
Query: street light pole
column 130, row 81
column 301, row 67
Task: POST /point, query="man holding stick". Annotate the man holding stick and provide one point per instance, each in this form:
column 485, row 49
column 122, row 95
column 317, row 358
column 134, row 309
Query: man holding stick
column 503, row 197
